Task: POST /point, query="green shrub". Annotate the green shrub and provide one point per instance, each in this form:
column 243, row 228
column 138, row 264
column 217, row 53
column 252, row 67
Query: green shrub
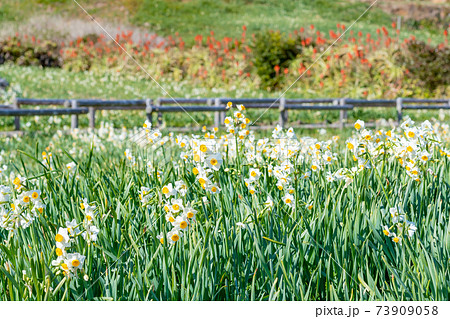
column 45, row 54
column 430, row 65
column 271, row 49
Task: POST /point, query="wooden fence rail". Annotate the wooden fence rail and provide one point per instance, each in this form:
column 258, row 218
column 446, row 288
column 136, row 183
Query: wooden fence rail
column 216, row 105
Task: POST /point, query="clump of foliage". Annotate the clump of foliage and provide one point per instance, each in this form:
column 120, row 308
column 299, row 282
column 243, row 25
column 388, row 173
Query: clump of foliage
column 429, row 64
column 273, row 51
column 45, row 54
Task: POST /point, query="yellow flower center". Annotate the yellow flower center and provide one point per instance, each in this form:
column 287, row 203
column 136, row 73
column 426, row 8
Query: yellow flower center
column 35, row 195
column 385, row 232
column 288, row 201
column 175, row 237
column 59, row 252
column 75, row 262
column 196, row 157
column 253, row 174
column 176, row 207
column 203, row 148
column 183, row 225
column 350, row 146
column 59, row 238
column 161, row 240
column 190, row 214
column 165, row 190
column 357, row 126
column 396, row 239
column 64, row 266
column 213, row 189
column 26, row 199
column 213, row 162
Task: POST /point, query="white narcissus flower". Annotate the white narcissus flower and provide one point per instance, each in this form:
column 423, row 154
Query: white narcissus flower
column 290, row 133
column 145, row 195
column 176, row 206
column 174, row 235
column 411, row 228
column 168, row 190
column 161, row 238
column 306, row 175
column 288, row 199
column 91, row 233
column 268, row 202
column 180, row 223
column 189, row 212
column 251, row 189
column 181, row 187
column 62, row 238
column 386, row 231
column 254, row 174
column 330, row 177
column 359, row 125
column 214, row 161
column 71, row 167
column 72, row 228
column 74, row 262
column 169, row 217
column 213, row 188
column 396, row 239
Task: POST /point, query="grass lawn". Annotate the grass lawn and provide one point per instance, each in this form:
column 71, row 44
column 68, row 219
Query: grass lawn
column 225, row 18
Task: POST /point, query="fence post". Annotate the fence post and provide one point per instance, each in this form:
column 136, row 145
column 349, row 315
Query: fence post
column 399, row 103
column 216, row 113
column 342, row 113
column 222, row 114
column 92, row 117
column 283, row 112
column 16, row 106
column 159, row 117
column 149, row 110
column 74, row 105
